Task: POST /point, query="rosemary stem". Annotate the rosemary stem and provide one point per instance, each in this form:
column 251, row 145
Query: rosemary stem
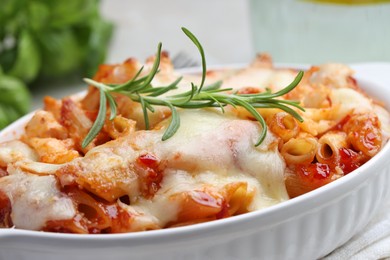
column 140, row 89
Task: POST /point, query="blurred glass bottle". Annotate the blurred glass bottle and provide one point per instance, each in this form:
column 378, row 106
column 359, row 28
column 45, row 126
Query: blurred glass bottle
column 318, row 31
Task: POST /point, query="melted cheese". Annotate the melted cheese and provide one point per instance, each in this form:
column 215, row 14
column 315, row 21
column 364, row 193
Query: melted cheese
column 260, row 78
column 349, row 101
column 384, row 118
column 332, row 75
column 14, row 151
column 209, row 149
column 213, row 149
column 35, row 199
column 210, row 141
column 106, row 170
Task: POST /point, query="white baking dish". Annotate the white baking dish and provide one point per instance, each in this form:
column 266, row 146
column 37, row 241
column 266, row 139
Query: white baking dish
column 306, row 227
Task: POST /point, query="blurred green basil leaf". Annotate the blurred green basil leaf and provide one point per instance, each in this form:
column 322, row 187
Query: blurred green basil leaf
column 14, row 99
column 42, row 39
column 60, row 53
column 98, row 42
column 71, row 12
column 38, row 16
column 8, row 57
column 10, row 14
column 28, row 60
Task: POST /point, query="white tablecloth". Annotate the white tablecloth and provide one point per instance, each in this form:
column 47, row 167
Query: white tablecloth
column 373, row 242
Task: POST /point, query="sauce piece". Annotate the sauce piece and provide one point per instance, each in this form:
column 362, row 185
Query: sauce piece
column 307, row 177
column 349, row 160
column 149, row 173
column 5, row 211
column 149, row 160
column 316, row 172
column 339, row 126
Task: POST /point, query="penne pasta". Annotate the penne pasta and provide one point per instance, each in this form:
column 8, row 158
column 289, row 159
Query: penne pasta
column 329, row 146
column 300, row 150
column 51, row 150
column 284, row 125
column 43, row 124
column 119, row 127
column 364, row 133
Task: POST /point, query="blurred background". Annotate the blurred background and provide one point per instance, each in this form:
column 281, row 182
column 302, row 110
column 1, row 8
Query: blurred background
column 222, row 26
column 47, row 46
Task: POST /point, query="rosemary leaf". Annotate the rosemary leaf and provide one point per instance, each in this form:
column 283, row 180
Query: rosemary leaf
column 188, row 97
column 282, row 107
column 201, row 51
column 197, row 104
column 154, row 69
column 162, row 90
column 216, row 101
column 290, row 87
column 112, row 104
column 173, row 125
column 144, row 111
column 99, row 122
column 214, row 86
column 257, row 116
column 132, row 81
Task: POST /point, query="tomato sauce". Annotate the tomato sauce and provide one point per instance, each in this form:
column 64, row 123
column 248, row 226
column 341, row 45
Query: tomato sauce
column 350, row 160
column 5, row 211
column 150, row 174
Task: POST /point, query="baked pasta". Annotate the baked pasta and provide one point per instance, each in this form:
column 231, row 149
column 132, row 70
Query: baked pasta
column 127, row 179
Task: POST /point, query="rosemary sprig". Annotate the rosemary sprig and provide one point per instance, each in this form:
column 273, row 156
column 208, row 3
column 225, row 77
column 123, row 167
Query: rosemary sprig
column 140, row 89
